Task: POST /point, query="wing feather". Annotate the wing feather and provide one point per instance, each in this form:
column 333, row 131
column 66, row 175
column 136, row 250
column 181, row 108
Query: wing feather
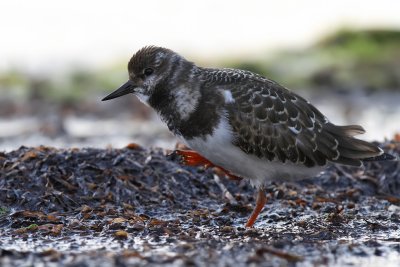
column 271, row 122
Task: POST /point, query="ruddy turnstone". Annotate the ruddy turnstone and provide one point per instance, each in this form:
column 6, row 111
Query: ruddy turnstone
column 242, row 122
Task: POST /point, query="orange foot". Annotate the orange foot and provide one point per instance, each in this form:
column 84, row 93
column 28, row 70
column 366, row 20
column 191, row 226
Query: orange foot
column 192, row 158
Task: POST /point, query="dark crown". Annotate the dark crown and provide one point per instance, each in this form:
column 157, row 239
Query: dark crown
column 148, row 56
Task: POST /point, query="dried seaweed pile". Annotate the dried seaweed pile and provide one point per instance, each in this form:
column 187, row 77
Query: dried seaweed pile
column 136, row 206
column 48, row 179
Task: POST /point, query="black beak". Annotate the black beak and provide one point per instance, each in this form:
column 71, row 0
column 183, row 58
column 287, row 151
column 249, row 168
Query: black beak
column 124, row 89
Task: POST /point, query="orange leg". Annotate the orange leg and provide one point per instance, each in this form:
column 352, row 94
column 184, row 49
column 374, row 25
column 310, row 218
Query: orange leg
column 192, row 158
column 260, row 203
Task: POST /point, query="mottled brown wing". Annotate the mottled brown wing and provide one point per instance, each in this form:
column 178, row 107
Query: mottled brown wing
column 273, row 123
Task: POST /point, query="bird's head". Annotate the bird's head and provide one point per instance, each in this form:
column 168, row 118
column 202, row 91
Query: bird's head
column 148, row 68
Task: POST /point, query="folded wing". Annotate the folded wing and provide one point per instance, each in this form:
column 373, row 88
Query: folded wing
column 273, row 123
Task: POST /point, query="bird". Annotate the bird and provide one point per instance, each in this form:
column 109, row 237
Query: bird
column 244, row 123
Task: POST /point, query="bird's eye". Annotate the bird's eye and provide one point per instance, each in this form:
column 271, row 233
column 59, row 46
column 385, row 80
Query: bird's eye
column 148, row 71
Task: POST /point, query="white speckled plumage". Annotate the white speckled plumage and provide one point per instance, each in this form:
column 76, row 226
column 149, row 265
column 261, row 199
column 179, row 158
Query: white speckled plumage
column 242, row 121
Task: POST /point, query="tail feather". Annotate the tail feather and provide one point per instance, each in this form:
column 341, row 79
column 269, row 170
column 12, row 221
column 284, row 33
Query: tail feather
column 353, row 148
column 347, row 130
column 351, row 130
column 354, row 151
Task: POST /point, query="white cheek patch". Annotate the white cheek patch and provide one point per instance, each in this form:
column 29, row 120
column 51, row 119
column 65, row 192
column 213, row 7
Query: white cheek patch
column 228, row 97
column 186, row 102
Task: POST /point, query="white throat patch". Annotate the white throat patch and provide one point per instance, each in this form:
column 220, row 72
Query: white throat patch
column 143, row 98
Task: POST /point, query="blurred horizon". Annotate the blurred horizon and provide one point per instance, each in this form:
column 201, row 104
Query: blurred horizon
column 45, row 36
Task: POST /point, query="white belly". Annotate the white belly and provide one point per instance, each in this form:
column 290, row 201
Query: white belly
column 218, row 148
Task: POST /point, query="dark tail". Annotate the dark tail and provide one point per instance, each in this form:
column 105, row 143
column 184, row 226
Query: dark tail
column 354, row 151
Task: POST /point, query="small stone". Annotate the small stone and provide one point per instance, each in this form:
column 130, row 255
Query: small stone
column 121, row 234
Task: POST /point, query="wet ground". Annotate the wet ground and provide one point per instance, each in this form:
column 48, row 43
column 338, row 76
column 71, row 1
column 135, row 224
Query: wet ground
column 92, row 123
column 134, row 206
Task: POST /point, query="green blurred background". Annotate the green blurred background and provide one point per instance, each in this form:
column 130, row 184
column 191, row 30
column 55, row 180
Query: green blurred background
column 60, row 59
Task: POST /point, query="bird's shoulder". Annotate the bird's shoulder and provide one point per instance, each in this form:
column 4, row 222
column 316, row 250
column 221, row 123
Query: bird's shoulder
column 229, row 76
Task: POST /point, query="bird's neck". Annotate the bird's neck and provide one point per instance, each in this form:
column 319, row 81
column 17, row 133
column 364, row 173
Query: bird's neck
column 188, row 107
column 176, row 103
